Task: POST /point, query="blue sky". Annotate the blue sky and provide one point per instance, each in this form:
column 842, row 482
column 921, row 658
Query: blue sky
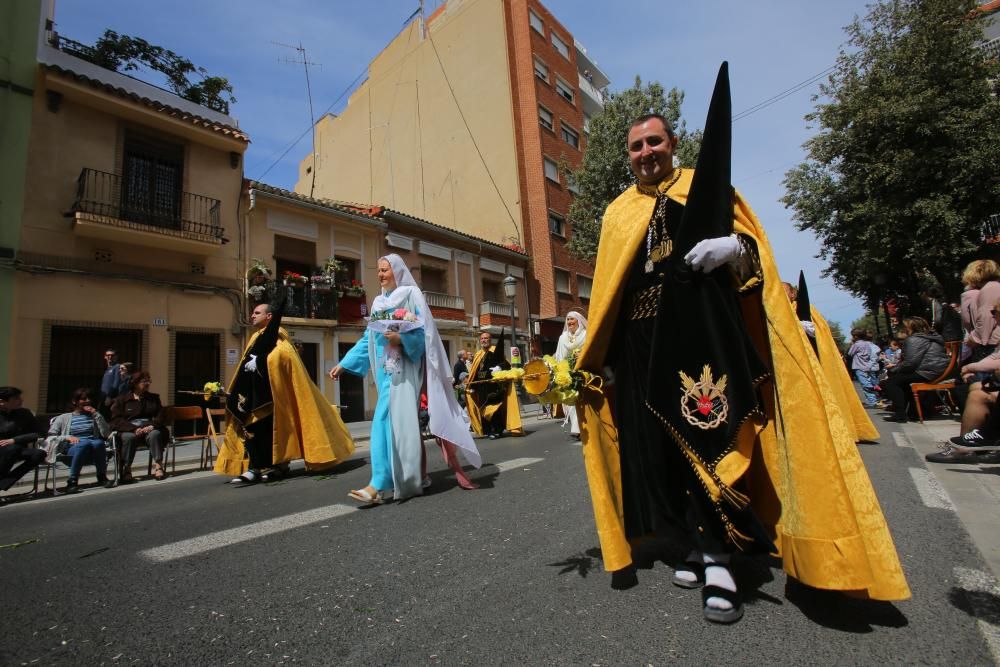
column 771, row 45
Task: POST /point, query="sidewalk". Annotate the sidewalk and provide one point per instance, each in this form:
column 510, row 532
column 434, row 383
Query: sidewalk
column 972, row 491
column 189, row 458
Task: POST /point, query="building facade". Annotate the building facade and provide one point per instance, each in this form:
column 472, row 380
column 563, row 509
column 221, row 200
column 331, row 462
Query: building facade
column 468, row 119
column 129, row 234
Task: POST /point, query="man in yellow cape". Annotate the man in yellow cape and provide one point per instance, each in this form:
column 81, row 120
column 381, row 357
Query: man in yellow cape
column 276, row 413
column 832, row 362
column 493, row 406
column 798, row 470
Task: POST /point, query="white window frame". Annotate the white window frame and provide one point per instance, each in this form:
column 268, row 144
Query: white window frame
column 555, row 169
column 566, row 129
column 541, row 64
column 536, row 22
column 555, row 280
column 580, row 282
column 560, row 45
column 565, row 90
column 548, row 123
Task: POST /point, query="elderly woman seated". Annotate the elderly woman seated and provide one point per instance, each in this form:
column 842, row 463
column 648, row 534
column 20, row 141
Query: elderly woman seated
column 138, row 415
column 81, row 435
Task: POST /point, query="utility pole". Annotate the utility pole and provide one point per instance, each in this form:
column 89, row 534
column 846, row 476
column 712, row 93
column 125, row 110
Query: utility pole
column 304, row 61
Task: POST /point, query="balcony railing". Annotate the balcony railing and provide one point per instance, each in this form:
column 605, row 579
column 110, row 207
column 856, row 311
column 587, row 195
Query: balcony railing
column 145, row 208
column 496, row 308
column 591, row 90
column 439, row 300
column 307, row 301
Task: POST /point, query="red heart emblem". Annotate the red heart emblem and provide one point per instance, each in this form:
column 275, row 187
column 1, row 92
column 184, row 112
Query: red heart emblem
column 704, row 405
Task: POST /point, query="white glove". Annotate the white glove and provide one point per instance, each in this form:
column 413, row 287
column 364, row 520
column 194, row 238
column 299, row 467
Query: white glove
column 710, row 254
column 251, row 366
column 809, row 328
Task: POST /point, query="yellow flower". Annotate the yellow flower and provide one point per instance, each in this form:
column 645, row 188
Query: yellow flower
column 562, row 366
column 563, row 378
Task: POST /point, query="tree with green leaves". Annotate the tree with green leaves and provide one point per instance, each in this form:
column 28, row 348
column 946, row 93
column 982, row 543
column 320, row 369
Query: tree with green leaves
column 605, row 171
column 838, row 336
column 122, row 53
column 903, row 171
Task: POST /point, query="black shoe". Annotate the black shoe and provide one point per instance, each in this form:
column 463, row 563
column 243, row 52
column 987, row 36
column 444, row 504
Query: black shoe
column 974, row 438
column 955, row 457
column 72, row 486
column 493, row 436
column 896, row 419
column 249, row 478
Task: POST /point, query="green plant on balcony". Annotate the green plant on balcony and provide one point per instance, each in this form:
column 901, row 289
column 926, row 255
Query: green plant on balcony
column 353, row 288
column 293, row 279
column 321, row 283
column 332, row 266
column 259, row 273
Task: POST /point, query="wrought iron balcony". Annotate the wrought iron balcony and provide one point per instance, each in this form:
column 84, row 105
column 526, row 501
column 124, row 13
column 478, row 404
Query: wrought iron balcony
column 303, row 300
column 142, row 206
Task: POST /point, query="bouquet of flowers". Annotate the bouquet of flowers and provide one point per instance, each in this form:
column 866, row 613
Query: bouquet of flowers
column 212, row 389
column 556, row 381
column 399, row 320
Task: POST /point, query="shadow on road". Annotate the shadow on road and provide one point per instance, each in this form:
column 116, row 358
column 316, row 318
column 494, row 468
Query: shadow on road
column 981, row 605
column 834, row 610
column 581, row 563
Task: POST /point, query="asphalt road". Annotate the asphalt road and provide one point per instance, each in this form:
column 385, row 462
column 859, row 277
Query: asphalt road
column 193, row 571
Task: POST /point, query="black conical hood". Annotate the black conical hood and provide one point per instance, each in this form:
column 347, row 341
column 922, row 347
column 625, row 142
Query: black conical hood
column 497, row 356
column 802, row 300
column 708, row 212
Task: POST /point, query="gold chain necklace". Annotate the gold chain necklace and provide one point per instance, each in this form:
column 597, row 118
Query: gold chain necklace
column 665, row 245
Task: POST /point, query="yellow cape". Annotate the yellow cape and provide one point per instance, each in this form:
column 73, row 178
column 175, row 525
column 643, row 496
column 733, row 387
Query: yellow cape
column 477, row 414
column 305, row 425
column 830, row 359
column 802, row 469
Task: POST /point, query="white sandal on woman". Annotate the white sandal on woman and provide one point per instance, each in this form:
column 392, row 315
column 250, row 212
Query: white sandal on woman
column 364, row 496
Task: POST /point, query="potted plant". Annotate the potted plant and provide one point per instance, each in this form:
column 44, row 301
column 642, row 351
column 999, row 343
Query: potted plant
column 332, row 266
column 322, row 283
column 257, row 292
column 259, row 273
column 354, row 288
column 293, row 279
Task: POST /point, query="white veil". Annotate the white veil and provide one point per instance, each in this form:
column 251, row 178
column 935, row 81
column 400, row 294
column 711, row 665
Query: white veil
column 447, row 419
column 564, row 349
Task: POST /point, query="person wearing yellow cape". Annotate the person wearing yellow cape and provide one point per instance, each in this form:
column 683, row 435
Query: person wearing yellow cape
column 493, row 406
column 275, row 412
column 830, row 358
column 719, row 422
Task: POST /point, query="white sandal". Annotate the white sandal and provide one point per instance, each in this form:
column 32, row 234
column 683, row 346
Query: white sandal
column 365, row 497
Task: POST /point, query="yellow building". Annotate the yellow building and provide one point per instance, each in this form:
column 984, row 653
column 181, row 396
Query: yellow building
column 464, row 119
column 130, row 235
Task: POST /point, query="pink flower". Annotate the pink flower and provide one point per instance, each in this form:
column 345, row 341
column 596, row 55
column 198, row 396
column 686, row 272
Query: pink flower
column 399, row 314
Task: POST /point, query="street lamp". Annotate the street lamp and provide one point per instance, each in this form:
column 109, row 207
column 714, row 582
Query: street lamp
column 510, row 291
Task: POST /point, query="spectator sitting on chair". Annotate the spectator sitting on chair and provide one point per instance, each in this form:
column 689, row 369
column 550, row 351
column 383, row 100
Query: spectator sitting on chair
column 979, row 402
column 81, row 434
column 138, row 415
column 17, row 434
column 924, row 359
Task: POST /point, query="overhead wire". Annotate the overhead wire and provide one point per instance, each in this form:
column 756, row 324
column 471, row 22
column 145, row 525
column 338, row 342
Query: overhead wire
column 783, row 94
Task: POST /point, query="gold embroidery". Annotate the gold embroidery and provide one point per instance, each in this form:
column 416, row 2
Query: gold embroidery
column 645, row 302
column 703, row 403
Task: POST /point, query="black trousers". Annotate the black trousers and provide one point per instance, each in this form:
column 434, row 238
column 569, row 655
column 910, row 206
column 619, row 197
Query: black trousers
column 897, row 389
column 24, row 458
column 260, row 448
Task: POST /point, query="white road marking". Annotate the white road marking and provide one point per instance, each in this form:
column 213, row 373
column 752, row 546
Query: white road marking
column 516, row 463
column 985, row 603
column 224, row 538
column 930, row 489
column 901, row 440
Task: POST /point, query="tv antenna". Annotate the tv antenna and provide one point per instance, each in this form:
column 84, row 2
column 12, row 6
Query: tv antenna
column 306, row 64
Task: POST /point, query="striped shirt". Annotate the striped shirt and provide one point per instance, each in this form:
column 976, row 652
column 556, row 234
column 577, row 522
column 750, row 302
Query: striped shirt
column 82, row 426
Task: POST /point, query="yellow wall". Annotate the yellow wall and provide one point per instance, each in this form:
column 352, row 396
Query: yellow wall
column 87, row 131
column 402, row 142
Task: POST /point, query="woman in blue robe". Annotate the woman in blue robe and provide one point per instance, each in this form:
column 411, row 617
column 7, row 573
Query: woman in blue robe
column 401, row 361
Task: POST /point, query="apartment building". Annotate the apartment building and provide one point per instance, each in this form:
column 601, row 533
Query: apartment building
column 465, row 119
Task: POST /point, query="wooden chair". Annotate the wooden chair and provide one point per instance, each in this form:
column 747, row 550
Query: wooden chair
column 943, row 384
column 178, row 413
column 213, row 443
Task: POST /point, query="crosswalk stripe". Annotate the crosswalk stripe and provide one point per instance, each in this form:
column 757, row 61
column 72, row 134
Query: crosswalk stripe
column 224, row 538
column 516, row 463
column 901, row 439
column 930, row 489
column 983, row 590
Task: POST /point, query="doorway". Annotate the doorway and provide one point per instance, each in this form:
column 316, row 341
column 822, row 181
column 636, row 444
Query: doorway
column 196, row 361
column 76, row 359
column 352, row 391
